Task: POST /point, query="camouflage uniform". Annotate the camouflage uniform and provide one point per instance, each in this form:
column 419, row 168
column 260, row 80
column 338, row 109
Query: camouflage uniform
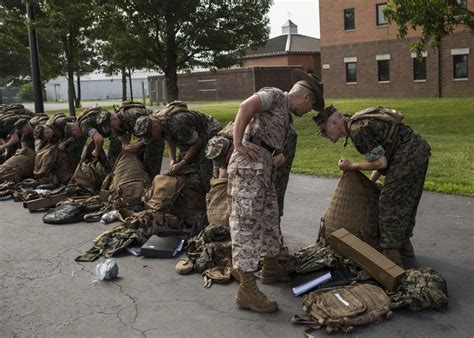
column 73, row 149
column 152, row 153
column 89, row 127
column 218, row 145
column 407, row 155
column 254, row 217
column 183, row 128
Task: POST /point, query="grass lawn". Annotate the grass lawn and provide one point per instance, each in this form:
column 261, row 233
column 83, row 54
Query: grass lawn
column 447, row 124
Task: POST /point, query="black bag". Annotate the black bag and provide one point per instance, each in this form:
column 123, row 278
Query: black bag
column 65, row 213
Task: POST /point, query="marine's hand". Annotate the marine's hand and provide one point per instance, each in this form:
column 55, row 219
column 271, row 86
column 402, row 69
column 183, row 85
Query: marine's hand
column 176, row 168
column 279, row 160
column 345, row 164
column 248, row 152
column 95, row 153
column 133, row 148
column 62, row 146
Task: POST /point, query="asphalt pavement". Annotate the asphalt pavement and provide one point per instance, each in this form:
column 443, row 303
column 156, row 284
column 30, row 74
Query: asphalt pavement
column 44, row 292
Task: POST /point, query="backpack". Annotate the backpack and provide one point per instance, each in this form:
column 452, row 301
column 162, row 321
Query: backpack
column 354, row 206
column 129, row 181
column 88, row 112
column 19, row 166
column 170, row 109
column 341, row 308
column 216, row 202
column 380, row 113
column 129, row 104
column 52, row 120
column 420, row 289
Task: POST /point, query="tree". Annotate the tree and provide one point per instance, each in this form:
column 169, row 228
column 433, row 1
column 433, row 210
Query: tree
column 181, row 35
column 68, row 23
column 435, row 18
column 117, row 52
column 14, row 54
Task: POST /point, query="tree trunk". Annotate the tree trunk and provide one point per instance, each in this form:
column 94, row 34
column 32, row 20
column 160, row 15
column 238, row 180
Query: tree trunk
column 170, row 72
column 78, row 96
column 70, row 91
column 124, row 84
column 172, row 84
column 130, row 81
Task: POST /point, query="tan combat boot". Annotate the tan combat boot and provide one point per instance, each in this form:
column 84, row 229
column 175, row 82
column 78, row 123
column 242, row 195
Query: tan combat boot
column 394, row 256
column 272, row 271
column 250, row 297
column 407, row 249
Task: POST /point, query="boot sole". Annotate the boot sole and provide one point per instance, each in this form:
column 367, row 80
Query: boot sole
column 245, row 305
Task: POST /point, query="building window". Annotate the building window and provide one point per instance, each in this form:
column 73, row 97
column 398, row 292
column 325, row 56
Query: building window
column 351, row 72
column 419, row 69
column 383, row 70
column 460, row 66
column 381, row 19
column 349, row 19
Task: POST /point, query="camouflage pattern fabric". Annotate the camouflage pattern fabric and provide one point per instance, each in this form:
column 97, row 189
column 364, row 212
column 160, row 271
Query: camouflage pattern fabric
column 88, row 124
column 283, row 172
column 210, row 248
column 315, row 257
column 420, row 289
column 183, row 128
column 407, row 155
column 271, row 126
column 254, row 216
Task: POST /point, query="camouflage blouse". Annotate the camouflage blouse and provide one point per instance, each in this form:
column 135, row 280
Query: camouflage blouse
column 184, row 127
column 370, row 137
column 272, row 124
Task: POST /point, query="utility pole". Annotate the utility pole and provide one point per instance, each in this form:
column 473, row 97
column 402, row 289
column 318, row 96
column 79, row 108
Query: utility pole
column 34, row 60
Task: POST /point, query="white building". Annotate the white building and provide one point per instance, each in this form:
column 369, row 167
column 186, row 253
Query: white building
column 99, row 86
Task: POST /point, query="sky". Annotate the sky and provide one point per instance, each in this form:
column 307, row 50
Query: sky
column 304, row 13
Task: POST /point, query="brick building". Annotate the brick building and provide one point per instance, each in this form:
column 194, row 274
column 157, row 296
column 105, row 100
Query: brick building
column 288, row 49
column 228, row 84
column 362, row 57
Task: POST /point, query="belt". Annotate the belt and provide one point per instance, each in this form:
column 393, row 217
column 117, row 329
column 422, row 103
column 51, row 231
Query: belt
column 257, row 141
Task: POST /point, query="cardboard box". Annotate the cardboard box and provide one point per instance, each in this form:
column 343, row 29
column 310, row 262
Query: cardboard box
column 367, row 258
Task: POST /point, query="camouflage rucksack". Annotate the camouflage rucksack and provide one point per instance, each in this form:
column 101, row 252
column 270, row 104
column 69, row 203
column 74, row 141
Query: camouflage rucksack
column 341, row 308
column 380, row 113
column 88, row 112
column 52, row 120
column 129, row 181
column 18, row 167
column 420, row 289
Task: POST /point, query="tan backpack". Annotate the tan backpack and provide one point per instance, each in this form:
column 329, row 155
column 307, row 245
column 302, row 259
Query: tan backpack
column 52, row 165
column 129, row 181
column 216, row 202
column 342, row 308
column 90, row 172
column 18, row 167
column 354, row 206
column 52, row 120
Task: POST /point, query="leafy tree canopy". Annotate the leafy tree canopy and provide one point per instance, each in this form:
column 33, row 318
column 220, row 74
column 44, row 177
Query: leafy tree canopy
column 434, row 18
